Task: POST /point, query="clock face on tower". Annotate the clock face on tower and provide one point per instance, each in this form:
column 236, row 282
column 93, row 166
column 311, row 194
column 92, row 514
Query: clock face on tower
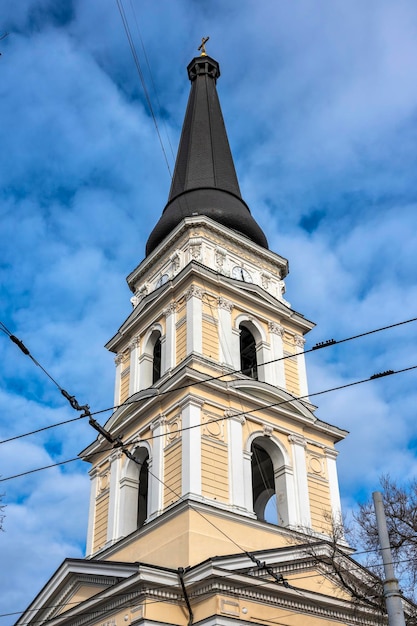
column 241, row 274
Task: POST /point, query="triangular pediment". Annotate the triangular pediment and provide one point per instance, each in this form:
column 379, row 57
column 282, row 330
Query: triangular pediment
column 74, row 582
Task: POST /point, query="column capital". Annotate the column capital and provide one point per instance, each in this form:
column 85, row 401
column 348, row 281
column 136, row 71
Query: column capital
column 299, row 341
column 231, row 414
column 194, row 292
column 170, row 309
column 189, row 399
column 223, row 303
column 276, row 328
column 134, row 342
column 297, row 440
column 116, row 454
column 158, row 422
column 331, row 453
column 118, row 358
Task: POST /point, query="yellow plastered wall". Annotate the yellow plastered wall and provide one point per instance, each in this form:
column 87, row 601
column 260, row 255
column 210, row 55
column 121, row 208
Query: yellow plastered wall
column 172, row 481
column 102, row 508
column 214, row 470
column 318, row 487
column 291, row 365
column 181, row 330
column 210, row 339
column 124, row 383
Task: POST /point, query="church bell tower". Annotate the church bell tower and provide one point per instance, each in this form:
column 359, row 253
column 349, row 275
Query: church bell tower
column 211, row 383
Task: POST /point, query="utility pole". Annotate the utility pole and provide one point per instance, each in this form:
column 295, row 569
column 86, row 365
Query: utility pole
column 391, row 591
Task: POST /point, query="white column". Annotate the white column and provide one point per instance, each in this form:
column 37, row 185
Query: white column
column 170, row 318
column 191, row 446
column 118, row 361
column 92, row 510
column 194, row 298
column 277, row 370
column 333, row 484
column 301, row 363
column 303, row 514
column 114, row 496
column 226, row 343
column 156, row 468
column 134, row 366
column 236, row 462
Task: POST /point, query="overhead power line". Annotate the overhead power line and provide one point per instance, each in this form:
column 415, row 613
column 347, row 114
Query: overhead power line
column 142, row 78
column 72, row 399
column 245, row 412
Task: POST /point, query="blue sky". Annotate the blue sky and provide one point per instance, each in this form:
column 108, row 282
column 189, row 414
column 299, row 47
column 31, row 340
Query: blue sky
column 320, row 103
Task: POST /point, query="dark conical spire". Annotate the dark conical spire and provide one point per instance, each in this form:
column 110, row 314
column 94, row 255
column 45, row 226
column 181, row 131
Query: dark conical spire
column 205, row 181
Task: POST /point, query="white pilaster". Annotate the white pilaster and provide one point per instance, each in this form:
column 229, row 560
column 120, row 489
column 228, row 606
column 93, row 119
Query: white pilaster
column 333, row 484
column 194, row 298
column 92, row 509
column 191, row 446
column 134, row 366
column 301, row 363
column 277, row 370
column 170, row 316
column 118, row 362
column 226, row 344
column 303, row 514
column 114, row 496
column 156, row 467
column 236, row 461
column 128, row 504
column 247, row 480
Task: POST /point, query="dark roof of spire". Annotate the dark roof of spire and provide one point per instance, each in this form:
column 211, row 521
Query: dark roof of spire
column 205, row 181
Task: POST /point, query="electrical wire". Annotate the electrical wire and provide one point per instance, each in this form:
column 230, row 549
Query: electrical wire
column 321, row 345
column 265, row 582
column 245, row 412
column 141, row 77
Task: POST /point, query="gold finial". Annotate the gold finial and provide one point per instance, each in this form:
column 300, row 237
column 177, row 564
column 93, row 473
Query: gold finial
column 202, row 47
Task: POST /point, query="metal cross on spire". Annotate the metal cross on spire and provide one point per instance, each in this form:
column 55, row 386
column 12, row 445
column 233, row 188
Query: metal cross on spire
column 202, row 46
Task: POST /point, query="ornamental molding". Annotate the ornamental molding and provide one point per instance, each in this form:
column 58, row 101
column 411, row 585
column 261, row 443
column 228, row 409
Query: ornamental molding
column 195, row 245
column 267, row 430
column 236, row 416
column 225, row 304
column 194, row 292
column 176, row 261
column 134, row 342
column 299, row 341
column 118, row 359
column 170, row 309
column 213, row 426
column 159, row 422
column 276, row 329
column 116, row 455
column 265, row 280
column 331, row 453
column 298, row 440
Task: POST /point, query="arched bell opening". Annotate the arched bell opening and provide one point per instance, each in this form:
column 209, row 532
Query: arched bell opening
column 248, row 357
